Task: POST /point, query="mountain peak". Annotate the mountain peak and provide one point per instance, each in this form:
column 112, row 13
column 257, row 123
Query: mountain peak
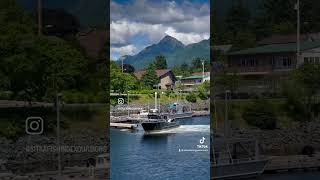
column 171, row 41
column 174, row 51
column 168, row 37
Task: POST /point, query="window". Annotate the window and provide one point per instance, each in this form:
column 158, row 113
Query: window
column 251, row 62
column 286, row 62
column 243, row 62
column 306, row 59
column 317, row 60
column 273, row 61
column 312, row 60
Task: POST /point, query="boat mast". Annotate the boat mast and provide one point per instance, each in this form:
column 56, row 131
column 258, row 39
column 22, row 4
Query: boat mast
column 155, row 100
column 226, row 120
column 128, row 105
column 159, row 104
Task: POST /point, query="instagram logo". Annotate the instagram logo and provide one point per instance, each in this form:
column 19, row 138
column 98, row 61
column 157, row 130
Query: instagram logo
column 34, row 125
column 120, row 101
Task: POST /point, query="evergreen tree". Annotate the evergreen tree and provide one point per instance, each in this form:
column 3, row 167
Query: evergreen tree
column 160, row 62
column 150, row 78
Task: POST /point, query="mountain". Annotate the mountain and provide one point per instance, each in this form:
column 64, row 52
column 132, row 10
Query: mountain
column 190, row 52
column 174, row 51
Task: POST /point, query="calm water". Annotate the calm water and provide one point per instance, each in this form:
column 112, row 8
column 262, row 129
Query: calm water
column 137, row 156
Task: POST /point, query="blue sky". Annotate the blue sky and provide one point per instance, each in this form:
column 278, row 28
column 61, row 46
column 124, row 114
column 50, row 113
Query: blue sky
column 136, row 24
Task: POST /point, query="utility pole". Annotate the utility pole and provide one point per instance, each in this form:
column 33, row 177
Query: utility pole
column 203, row 71
column 122, row 57
column 39, row 17
column 298, row 30
column 122, row 64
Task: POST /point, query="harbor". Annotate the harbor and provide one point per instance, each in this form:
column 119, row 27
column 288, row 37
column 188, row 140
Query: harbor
column 158, row 152
column 125, row 122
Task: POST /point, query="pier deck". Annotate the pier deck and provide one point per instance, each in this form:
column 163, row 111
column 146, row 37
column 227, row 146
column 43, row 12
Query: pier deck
column 200, row 113
column 123, row 125
column 293, row 163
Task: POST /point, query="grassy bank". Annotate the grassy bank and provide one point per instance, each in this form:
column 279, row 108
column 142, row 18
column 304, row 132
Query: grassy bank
column 149, row 98
column 13, row 120
column 237, row 108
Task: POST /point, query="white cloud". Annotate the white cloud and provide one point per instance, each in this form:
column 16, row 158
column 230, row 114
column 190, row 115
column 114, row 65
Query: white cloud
column 149, row 11
column 122, row 31
column 124, row 50
column 197, row 25
column 189, row 22
column 187, row 38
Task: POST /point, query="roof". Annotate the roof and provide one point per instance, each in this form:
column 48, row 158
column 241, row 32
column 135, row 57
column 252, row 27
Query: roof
column 277, row 48
column 159, row 72
column 195, row 77
column 223, row 48
column 291, row 38
column 200, row 73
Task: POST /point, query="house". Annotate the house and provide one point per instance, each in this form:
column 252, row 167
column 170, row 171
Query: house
column 272, row 58
column 194, row 80
column 265, row 64
column 166, row 76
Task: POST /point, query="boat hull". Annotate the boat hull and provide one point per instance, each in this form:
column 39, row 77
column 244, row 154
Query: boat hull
column 182, row 115
column 239, row 170
column 155, row 126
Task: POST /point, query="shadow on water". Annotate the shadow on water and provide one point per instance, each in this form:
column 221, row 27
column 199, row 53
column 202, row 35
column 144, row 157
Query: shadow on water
column 155, row 138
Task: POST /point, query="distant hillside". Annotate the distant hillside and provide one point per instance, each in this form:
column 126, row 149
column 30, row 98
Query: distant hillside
column 174, row 51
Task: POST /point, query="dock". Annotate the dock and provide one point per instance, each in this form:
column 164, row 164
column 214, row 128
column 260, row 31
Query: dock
column 123, row 125
column 293, row 163
column 200, row 113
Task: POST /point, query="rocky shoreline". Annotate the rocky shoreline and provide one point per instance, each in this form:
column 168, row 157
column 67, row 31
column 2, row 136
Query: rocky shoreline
column 284, row 141
column 21, row 157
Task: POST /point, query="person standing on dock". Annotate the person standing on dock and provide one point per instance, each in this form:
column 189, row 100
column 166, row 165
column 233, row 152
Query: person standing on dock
column 91, row 164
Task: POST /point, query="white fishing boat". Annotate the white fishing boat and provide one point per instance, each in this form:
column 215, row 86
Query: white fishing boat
column 234, row 158
column 179, row 111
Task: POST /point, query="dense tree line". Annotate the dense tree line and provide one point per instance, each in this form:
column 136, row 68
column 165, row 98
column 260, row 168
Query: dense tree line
column 243, row 28
column 34, row 67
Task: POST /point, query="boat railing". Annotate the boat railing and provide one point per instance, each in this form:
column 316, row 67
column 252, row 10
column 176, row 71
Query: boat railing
column 154, row 120
column 227, row 161
column 238, row 161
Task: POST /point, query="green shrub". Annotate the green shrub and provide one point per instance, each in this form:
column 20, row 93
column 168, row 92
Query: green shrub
column 191, row 97
column 6, row 95
column 13, row 130
column 203, row 95
column 260, row 114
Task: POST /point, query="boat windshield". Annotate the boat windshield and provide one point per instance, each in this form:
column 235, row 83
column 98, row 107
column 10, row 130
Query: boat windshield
column 153, row 116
